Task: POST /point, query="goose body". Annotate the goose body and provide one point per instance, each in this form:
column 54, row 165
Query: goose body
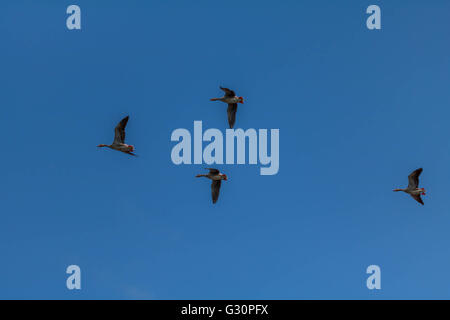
column 119, row 139
column 216, row 177
column 232, row 100
column 413, row 186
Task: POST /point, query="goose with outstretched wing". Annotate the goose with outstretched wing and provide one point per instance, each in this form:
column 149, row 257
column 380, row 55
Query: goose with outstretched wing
column 216, row 178
column 413, row 186
column 232, row 100
column 119, row 139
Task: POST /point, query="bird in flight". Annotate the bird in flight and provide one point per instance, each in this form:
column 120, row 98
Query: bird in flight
column 413, row 186
column 119, row 139
column 216, row 178
column 232, row 100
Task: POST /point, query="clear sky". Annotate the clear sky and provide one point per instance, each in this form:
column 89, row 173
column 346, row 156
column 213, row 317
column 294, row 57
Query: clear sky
column 357, row 110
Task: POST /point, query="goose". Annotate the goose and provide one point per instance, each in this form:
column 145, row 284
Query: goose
column 119, row 139
column 413, row 186
column 232, row 100
column 216, row 178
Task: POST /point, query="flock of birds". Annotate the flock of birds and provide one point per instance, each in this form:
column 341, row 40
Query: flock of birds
column 215, row 175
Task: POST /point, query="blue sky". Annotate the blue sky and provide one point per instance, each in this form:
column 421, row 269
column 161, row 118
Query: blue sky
column 357, row 110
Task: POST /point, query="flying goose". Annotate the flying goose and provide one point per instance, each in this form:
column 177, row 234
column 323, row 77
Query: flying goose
column 413, row 186
column 119, row 139
column 216, row 178
column 232, row 100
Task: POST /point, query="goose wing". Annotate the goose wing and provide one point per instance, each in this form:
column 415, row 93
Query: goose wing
column 228, row 92
column 119, row 131
column 417, row 198
column 413, row 179
column 215, row 190
column 213, row 171
column 232, row 108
